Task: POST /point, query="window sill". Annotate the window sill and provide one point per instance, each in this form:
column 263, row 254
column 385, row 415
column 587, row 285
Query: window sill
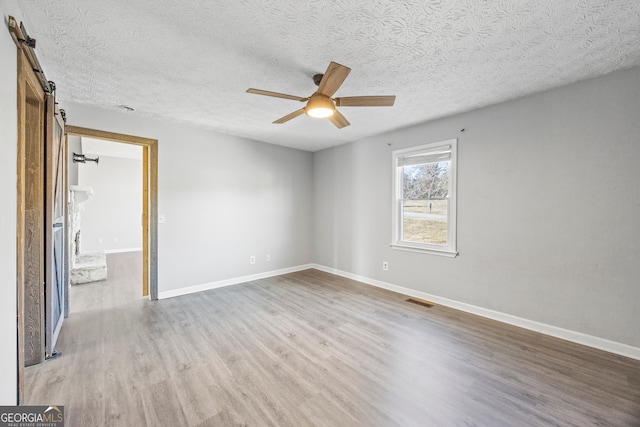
column 439, row 252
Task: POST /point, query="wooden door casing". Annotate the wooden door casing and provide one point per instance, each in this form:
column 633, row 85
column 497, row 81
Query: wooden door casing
column 149, row 195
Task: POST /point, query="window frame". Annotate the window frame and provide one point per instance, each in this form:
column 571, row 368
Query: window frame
column 450, row 249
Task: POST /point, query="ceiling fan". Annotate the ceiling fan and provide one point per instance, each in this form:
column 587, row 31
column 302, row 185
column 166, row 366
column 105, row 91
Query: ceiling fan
column 321, row 104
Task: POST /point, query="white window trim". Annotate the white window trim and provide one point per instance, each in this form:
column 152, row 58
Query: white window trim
column 449, row 250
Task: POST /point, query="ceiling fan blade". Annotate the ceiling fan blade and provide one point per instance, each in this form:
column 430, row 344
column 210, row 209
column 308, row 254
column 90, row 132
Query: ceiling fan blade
column 339, row 120
column 276, row 94
column 289, row 116
column 366, row 101
column 333, row 78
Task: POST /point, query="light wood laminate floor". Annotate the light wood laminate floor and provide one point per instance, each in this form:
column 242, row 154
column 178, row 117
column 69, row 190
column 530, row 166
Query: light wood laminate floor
column 313, row 349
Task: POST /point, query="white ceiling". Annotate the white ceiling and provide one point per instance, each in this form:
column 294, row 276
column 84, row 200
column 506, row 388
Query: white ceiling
column 191, row 61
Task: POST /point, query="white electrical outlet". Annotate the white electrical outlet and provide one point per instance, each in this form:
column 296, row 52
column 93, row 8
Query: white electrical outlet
column 162, row 218
column 268, row 257
column 100, row 240
column 385, row 265
column 252, row 259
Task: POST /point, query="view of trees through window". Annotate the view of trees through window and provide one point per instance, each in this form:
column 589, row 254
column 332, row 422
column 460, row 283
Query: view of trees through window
column 425, row 188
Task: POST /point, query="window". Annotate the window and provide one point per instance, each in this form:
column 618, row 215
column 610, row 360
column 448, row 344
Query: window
column 424, row 199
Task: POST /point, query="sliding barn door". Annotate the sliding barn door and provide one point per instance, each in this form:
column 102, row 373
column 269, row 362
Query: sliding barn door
column 30, row 242
column 55, row 226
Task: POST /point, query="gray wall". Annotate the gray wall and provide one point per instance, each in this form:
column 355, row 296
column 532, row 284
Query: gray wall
column 8, row 175
column 548, row 208
column 225, row 198
column 74, row 145
column 112, row 219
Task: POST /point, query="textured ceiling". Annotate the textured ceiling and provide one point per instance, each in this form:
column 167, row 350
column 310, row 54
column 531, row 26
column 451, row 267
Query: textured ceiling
column 192, row 61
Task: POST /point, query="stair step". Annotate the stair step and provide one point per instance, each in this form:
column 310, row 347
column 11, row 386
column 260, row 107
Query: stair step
column 89, row 267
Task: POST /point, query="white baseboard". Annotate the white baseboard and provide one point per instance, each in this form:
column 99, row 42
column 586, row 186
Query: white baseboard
column 230, row 282
column 117, row 251
column 565, row 334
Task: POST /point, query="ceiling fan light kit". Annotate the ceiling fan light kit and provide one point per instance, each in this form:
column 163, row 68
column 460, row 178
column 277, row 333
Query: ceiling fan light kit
column 321, row 104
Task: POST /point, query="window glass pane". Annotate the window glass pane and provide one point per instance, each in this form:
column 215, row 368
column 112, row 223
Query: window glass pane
column 425, row 221
column 425, row 203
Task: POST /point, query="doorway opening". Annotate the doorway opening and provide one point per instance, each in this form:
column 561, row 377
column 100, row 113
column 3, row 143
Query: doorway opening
column 149, row 199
